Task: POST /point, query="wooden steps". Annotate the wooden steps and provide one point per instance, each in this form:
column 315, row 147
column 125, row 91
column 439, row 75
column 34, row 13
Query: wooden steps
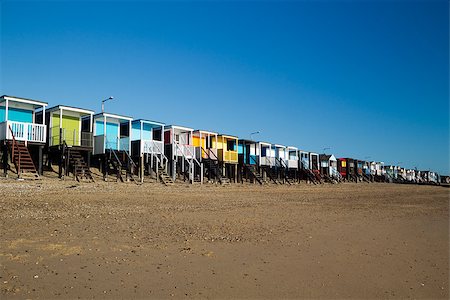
column 213, row 167
column 121, row 162
column 255, row 174
column 165, row 178
column 78, row 166
column 272, row 176
column 22, row 161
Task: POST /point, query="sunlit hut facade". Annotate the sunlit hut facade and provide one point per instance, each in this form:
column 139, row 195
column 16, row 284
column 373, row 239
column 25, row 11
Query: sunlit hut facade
column 256, row 160
column 286, row 163
column 227, row 153
column 21, row 135
column 206, row 152
column 328, row 165
column 292, row 161
column 347, row 168
column 180, row 150
column 248, row 152
column 70, row 142
column 147, row 147
column 377, row 171
column 112, row 145
column 204, row 143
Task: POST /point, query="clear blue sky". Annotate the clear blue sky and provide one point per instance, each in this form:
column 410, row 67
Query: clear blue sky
column 364, row 78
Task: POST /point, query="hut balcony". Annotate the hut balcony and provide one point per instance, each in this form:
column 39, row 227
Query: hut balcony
column 102, row 143
column 202, row 153
column 267, row 161
column 71, row 137
column 187, row 151
column 152, row 147
column 23, row 131
column 228, row 156
column 292, row 163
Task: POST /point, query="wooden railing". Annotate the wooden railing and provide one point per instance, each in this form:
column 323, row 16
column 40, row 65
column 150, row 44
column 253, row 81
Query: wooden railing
column 14, row 146
column 227, row 156
column 27, row 132
column 152, row 147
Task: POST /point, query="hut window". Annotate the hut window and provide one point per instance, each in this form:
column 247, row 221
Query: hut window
column 230, row 145
column 157, row 134
column 124, row 129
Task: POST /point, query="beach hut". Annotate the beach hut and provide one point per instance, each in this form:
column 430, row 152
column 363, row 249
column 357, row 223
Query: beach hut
column 21, row 137
column 328, row 167
column 411, row 175
column 180, row 150
column 314, row 162
column 401, row 174
column 206, row 152
column 248, row 161
column 292, row 163
column 377, row 171
column 431, row 177
column 303, row 162
column 247, row 152
column 279, row 168
column 205, row 145
column 390, row 173
column 256, row 160
column 227, row 152
column 69, row 143
column 347, row 169
column 112, row 145
column 147, row 148
column 310, row 167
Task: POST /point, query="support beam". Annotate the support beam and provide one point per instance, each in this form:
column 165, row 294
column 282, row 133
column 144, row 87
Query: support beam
column 40, row 163
column 6, row 109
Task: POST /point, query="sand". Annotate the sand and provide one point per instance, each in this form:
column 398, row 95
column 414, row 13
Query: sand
column 63, row 239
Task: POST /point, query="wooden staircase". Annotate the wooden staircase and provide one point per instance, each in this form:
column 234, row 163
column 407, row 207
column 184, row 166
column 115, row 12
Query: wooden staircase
column 122, row 163
column 271, row 174
column 213, row 167
column 22, row 160
column 255, row 174
column 78, row 166
column 285, row 171
column 165, row 178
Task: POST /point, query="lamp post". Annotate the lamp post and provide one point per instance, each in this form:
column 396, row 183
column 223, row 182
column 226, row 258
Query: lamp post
column 103, row 103
column 253, row 133
column 326, row 148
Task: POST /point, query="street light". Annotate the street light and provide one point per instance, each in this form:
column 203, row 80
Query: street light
column 326, row 148
column 253, row 133
column 103, row 103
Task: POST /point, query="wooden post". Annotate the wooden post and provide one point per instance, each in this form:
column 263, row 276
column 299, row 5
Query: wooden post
column 105, row 167
column 40, row 172
column 61, row 154
column 141, row 170
column 5, row 157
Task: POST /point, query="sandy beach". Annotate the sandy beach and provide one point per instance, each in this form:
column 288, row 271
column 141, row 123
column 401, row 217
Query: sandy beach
column 63, row 239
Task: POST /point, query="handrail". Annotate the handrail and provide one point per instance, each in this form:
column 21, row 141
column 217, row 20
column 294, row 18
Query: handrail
column 253, row 157
column 193, row 156
column 15, row 145
column 282, row 163
column 115, row 155
column 163, row 156
column 186, row 149
column 215, row 156
column 130, row 159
